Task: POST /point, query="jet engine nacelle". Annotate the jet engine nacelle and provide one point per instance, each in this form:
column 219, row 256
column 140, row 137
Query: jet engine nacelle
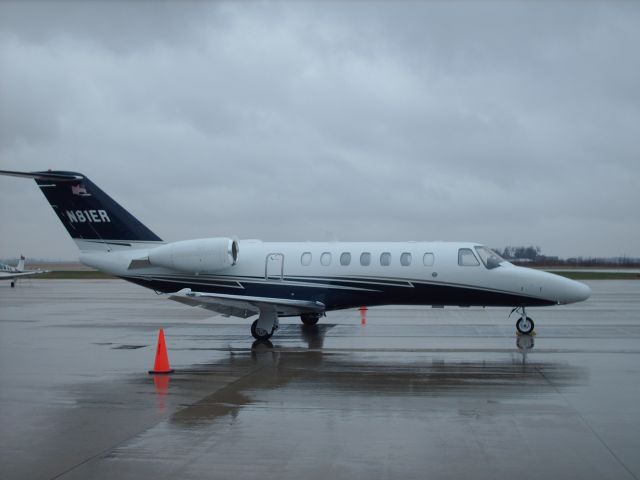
column 201, row 255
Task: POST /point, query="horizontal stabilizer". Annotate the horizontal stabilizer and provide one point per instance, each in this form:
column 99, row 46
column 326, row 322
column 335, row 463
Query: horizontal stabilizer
column 60, row 177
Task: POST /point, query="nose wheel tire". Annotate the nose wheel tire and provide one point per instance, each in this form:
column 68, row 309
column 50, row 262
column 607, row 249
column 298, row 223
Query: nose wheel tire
column 525, row 325
column 259, row 333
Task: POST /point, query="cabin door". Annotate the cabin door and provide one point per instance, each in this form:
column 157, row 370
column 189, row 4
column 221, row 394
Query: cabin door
column 274, row 268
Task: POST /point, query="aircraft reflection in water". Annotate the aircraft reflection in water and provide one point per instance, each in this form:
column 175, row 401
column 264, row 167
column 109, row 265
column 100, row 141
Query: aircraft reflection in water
column 525, row 344
column 317, row 374
column 245, row 278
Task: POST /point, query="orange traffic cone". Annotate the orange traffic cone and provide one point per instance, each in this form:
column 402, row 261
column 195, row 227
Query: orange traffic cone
column 162, row 360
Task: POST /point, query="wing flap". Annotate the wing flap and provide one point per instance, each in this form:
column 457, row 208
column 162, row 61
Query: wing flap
column 243, row 306
column 137, row 263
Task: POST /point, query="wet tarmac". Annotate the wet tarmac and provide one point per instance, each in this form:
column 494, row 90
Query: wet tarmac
column 413, row 393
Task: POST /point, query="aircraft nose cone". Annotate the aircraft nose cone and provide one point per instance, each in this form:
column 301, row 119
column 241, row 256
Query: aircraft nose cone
column 583, row 292
column 575, row 292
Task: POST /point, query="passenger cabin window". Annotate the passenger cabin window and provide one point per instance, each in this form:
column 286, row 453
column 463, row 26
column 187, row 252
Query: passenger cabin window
column 405, row 259
column 325, row 259
column 305, row 259
column 466, row 258
column 365, row 259
column 385, row 259
column 345, row 259
column 427, row 259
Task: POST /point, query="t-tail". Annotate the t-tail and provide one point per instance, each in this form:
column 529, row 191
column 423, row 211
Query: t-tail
column 20, row 266
column 94, row 220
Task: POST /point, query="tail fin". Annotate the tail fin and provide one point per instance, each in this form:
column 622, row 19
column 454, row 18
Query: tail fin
column 93, row 219
column 20, row 266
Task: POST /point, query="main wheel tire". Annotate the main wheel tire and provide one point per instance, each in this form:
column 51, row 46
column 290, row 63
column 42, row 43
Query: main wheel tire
column 309, row 318
column 259, row 334
column 525, row 325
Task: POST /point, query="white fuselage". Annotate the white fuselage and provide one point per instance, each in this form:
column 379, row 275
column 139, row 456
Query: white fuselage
column 427, row 273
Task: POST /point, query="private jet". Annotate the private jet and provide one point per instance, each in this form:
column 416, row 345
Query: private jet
column 245, row 278
column 7, row 272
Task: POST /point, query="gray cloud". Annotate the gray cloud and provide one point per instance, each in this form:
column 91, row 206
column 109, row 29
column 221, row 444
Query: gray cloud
column 502, row 123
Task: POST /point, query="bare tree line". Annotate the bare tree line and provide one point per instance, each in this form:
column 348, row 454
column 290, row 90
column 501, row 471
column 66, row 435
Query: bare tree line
column 532, row 255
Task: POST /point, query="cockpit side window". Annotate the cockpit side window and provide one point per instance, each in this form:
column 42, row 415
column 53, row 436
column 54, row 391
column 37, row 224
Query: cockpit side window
column 490, row 258
column 466, row 258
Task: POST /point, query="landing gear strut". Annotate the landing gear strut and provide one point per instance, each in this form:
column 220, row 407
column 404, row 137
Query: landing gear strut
column 310, row 318
column 524, row 324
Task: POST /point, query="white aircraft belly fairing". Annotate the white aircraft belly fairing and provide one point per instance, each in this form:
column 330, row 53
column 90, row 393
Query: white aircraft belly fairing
column 247, row 277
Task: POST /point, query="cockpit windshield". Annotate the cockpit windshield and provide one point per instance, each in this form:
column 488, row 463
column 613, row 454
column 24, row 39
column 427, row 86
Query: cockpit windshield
column 490, row 258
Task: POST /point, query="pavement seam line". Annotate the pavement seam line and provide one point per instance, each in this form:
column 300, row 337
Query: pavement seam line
column 137, row 434
column 586, row 424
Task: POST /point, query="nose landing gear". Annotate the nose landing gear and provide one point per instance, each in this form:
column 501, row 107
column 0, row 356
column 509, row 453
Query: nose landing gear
column 524, row 324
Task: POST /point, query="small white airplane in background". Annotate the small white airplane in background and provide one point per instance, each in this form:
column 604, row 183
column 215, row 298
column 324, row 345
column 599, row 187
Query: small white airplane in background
column 295, row 278
column 7, row 272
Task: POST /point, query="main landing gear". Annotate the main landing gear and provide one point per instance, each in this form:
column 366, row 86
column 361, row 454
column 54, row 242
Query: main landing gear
column 266, row 324
column 260, row 333
column 310, row 319
column 524, row 324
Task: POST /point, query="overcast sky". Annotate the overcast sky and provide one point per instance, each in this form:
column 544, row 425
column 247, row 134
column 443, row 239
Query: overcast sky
column 503, row 123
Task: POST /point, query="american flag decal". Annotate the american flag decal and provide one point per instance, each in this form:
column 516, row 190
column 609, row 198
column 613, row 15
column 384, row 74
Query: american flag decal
column 79, row 190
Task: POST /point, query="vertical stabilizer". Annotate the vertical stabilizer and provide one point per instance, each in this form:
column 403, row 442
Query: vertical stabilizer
column 94, row 220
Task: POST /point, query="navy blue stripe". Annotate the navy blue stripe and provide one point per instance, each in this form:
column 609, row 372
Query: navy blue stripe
column 365, row 283
column 422, row 294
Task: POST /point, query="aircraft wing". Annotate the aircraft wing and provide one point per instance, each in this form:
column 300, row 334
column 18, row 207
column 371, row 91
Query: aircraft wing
column 244, row 306
column 11, row 275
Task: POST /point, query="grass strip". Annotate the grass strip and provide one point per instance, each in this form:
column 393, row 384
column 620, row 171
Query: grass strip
column 74, row 275
column 600, row 275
